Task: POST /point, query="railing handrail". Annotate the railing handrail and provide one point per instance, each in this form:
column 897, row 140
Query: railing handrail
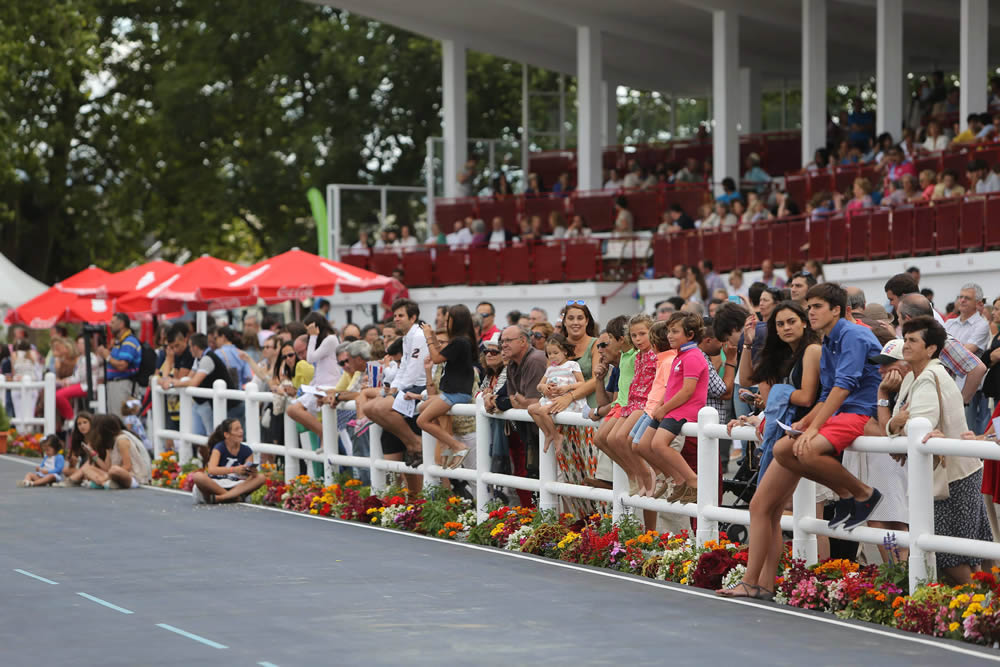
column 803, row 523
column 48, row 386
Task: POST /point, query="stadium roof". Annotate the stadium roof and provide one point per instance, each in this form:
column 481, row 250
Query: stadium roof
column 666, row 45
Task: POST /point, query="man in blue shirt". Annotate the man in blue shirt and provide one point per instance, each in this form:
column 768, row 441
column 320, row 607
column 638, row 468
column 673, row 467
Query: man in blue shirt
column 849, row 383
column 225, row 347
column 122, row 360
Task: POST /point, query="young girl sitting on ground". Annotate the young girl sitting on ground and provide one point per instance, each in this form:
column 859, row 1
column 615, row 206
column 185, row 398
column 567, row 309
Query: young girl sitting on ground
column 51, row 468
column 685, row 395
column 230, row 473
column 131, row 421
column 561, row 372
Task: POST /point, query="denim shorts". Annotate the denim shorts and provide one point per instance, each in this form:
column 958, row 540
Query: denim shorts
column 645, row 421
column 452, row 399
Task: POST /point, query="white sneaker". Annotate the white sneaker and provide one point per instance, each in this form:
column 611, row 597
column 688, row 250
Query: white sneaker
column 199, row 497
column 24, row 483
column 62, row 484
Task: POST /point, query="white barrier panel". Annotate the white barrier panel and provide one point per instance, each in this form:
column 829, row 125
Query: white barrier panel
column 22, row 394
column 803, row 523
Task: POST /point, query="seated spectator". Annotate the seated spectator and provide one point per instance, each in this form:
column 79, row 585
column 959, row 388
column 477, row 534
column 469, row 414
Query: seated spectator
column 557, row 223
column 578, row 228
column 633, row 176
column 460, row 237
column 729, row 191
column 624, row 221
column 928, row 391
column 820, row 161
column 988, row 129
column 534, row 185
column 949, row 186
column 880, row 151
column 50, row 470
column 562, row 186
column 479, row 236
column 228, row 476
column 436, row 236
column 756, row 211
column 928, row 182
column 691, row 173
column 783, row 205
column 117, row 458
column 501, row 186
column 754, row 176
column 896, row 166
column 406, row 239
column 499, row 235
column 986, row 180
column 614, row 181
column 363, row 244
column 721, row 219
column 675, row 220
column 974, row 125
column 935, row 141
column 908, row 144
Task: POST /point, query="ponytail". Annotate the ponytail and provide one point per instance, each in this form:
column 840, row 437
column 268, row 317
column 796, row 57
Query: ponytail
column 219, row 434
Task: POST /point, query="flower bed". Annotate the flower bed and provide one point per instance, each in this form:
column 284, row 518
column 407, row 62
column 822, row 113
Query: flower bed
column 27, row 444
column 872, row 593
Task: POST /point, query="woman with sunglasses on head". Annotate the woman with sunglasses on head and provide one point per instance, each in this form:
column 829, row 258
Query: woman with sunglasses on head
column 283, row 389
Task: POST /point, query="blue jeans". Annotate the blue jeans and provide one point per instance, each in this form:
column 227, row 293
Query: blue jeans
column 977, row 412
column 203, row 424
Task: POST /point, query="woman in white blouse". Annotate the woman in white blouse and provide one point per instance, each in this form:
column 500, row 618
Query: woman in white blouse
column 322, row 354
column 935, row 141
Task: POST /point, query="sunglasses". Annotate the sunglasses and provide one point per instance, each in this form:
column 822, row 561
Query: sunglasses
column 537, row 335
column 601, row 346
column 492, row 353
column 342, row 363
column 576, row 302
column 290, row 356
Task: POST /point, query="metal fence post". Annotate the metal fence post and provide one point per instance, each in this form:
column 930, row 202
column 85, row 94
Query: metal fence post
column 218, row 402
column 49, row 403
column 482, row 460
column 920, row 471
column 708, row 475
column 184, row 448
column 375, row 454
column 291, row 442
column 158, row 407
column 546, row 474
column 429, row 446
column 803, row 506
column 329, row 444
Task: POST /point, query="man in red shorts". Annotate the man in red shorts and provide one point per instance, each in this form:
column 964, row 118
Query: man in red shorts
column 849, row 388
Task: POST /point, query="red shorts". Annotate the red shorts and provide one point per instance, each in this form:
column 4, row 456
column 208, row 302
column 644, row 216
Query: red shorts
column 842, row 429
column 616, row 413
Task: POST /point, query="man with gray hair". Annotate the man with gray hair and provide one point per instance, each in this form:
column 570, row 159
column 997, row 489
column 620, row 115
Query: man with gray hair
column 538, row 316
column 973, row 331
column 353, row 357
column 855, row 303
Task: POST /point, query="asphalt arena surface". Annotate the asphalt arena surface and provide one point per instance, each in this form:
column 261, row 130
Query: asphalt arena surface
column 146, row 578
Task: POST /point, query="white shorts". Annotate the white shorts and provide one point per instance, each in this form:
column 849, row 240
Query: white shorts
column 226, row 482
column 308, row 401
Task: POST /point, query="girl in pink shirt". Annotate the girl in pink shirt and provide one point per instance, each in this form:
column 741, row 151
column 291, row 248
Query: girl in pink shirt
column 685, row 395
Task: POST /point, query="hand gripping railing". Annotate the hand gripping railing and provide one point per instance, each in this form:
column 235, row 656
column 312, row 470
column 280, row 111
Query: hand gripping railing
column 803, row 523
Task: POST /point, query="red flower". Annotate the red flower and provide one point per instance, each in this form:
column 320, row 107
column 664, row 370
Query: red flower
column 711, row 568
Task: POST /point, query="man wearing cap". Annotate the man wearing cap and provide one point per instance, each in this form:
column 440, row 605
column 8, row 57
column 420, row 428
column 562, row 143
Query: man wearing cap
column 754, row 175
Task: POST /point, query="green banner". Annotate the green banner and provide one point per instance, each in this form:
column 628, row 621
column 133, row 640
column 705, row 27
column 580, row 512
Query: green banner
column 318, row 207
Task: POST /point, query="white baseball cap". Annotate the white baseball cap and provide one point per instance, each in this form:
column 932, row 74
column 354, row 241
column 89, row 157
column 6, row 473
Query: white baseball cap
column 891, row 352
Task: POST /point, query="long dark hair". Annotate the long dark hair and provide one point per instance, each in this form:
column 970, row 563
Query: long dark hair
column 582, row 307
column 324, row 326
column 777, row 359
column 76, row 437
column 460, row 324
column 104, row 430
column 219, row 434
column 289, row 374
column 700, row 279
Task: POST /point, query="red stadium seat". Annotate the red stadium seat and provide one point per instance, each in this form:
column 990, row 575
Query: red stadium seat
column 549, row 262
column 744, row 248
column 858, row 226
column 993, row 222
column 947, row 218
column 797, row 239
column 797, row 186
column 779, row 243
column 418, row 268
column 689, row 197
column 818, row 247
column 583, row 260
column 385, row 262
column 710, row 250
column 515, row 264
column 597, row 209
column 542, row 205
column 973, row 222
column 923, row 230
column 958, row 162
column 878, row 234
column 692, row 248
column 761, row 234
column 360, row 261
column 662, row 266
column 843, row 177
column 646, row 208
column 484, row 266
column 901, row 233
column 836, row 238
column 447, row 211
column 449, row 267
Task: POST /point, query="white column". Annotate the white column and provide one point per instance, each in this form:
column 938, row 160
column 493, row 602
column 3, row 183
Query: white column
column 749, row 100
column 588, row 112
column 725, row 96
column 974, row 24
column 609, row 127
column 455, row 125
column 889, row 67
column 525, row 121
column 813, row 77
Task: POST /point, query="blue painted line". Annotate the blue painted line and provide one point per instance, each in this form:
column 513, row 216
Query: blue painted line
column 35, row 576
column 107, row 604
column 267, row 664
column 189, row 635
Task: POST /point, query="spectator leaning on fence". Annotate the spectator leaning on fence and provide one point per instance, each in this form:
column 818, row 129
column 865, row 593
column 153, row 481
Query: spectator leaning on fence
column 123, row 360
column 209, row 368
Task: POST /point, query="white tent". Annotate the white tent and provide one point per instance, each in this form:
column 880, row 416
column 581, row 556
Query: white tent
column 16, row 286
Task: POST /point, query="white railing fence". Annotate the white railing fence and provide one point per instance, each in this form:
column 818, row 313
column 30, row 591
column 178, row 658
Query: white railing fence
column 803, row 523
column 24, row 395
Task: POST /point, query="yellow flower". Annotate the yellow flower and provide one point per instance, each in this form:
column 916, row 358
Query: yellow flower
column 979, row 597
column 975, row 607
column 684, row 580
column 954, row 626
column 374, row 519
column 314, row 511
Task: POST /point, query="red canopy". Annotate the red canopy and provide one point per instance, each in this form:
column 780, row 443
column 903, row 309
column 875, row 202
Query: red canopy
column 54, row 306
column 92, row 281
column 140, row 277
column 188, row 287
column 297, row 274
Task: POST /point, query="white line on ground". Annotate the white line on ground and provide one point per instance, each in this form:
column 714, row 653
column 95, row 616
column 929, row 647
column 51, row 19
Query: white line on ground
column 35, row 576
column 105, row 603
column 190, row 635
column 21, row 460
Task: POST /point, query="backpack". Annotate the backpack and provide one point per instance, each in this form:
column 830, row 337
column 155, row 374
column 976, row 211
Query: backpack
column 147, row 366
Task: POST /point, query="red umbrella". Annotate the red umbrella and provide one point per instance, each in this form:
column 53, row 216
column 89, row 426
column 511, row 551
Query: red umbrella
column 140, row 277
column 188, row 287
column 92, row 281
column 54, row 306
column 297, row 274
